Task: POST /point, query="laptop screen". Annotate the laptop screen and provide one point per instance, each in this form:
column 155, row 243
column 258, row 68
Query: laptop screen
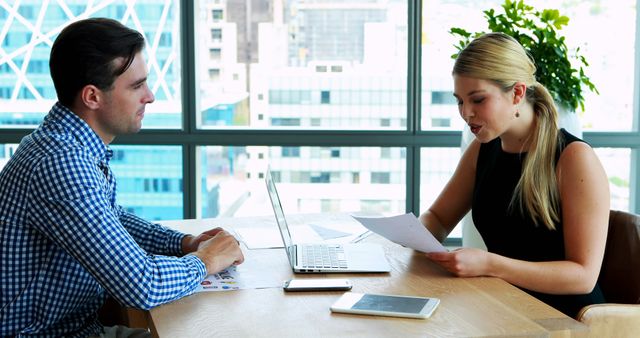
column 282, row 222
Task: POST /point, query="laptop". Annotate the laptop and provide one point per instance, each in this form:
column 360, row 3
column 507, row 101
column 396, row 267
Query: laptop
column 322, row 257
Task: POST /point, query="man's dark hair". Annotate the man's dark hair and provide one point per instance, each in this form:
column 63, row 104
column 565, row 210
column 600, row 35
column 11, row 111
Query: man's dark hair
column 84, row 53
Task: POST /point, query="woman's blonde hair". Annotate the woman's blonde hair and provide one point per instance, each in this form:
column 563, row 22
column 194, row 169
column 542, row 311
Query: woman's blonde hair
column 500, row 59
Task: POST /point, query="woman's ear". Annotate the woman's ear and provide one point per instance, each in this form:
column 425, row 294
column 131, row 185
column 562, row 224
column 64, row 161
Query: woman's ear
column 519, row 92
column 91, row 97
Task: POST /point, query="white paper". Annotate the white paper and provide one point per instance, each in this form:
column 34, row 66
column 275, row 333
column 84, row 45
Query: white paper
column 235, row 278
column 318, row 232
column 260, row 238
column 405, row 230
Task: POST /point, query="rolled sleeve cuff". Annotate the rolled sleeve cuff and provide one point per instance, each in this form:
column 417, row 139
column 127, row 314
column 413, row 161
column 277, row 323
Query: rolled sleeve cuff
column 196, row 264
column 175, row 243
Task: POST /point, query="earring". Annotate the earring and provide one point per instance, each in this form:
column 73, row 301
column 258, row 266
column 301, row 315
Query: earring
column 517, row 113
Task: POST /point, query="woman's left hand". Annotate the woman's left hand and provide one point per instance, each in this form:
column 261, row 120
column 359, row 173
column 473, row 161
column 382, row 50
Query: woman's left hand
column 464, row 262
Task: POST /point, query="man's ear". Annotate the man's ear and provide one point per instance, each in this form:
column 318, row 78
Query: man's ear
column 91, row 96
column 519, row 92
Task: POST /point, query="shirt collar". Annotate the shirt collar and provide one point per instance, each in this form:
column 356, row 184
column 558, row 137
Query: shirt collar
column 80, row 131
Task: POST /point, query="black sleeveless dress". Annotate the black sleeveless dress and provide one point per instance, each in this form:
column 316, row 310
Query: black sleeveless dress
column 507, row 232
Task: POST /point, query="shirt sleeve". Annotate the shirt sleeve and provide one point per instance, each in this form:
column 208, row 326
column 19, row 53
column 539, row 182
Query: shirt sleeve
column 152, row 237
column 70, row 204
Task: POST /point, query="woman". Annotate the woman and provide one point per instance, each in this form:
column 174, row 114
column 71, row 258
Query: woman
column 539, row 195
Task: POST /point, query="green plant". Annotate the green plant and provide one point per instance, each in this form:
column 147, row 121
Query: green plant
column 537, row 33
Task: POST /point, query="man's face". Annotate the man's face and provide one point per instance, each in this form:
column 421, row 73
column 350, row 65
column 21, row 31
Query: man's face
column 123, row 107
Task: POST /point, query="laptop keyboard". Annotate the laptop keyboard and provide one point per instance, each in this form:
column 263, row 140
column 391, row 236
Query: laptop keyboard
column 323, row 257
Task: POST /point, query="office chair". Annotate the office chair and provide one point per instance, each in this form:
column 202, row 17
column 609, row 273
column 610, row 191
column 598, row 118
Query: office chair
column 620, row 281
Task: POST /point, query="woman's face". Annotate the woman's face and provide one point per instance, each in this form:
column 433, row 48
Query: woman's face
column 488, row 111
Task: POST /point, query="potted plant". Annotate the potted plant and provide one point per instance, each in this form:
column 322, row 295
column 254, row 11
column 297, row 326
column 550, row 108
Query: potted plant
column 537, row 32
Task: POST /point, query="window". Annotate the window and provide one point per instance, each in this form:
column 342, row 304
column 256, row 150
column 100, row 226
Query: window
column 285, row 122
column 612, row 73
column 321, row 177
column 215, row 54
column 165, row 39
column 290, row 151
column 216, row 34
column 25, row 107
column 437, row 167
column 216, row 15
column 26, row 11
column 304, row 61
column 443, row 97
column 214, row 74
column 325, row 97
column 328, row 104
column 380, row 178
column 440, row 122
column 146, row 177
column 355, row 177
column 300, row 187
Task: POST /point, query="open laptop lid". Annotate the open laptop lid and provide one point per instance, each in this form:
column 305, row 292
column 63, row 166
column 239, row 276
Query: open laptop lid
column 282, row 222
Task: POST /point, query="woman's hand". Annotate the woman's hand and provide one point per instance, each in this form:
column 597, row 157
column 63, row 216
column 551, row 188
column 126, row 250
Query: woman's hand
column 465, row 262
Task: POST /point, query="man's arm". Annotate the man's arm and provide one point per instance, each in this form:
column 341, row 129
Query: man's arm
column 153, row 238
column 70, row 205
column 216, row 248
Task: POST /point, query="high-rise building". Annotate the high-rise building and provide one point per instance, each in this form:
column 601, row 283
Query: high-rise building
column 149, row 178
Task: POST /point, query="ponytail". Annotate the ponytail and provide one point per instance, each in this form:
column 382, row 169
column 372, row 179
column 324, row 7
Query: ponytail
column 537, row 191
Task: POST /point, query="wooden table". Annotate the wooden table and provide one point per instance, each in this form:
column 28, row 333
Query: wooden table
column 478, row 307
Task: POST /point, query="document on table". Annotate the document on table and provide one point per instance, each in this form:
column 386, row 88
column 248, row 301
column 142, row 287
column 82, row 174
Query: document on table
column 405, row 230
column 330, row 232
column 235, row 278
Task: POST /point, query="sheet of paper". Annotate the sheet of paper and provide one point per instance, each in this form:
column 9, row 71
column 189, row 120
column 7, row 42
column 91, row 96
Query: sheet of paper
column 269, row 238
column 317, row 232
column 335, row 231
column 405, row 230
column 260, row 238
column 235, row 278
column 327, row 233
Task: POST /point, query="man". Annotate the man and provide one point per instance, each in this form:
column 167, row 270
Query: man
column 65, row 241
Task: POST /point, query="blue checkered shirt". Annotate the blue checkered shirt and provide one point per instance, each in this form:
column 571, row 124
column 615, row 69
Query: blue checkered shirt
column 64, row 242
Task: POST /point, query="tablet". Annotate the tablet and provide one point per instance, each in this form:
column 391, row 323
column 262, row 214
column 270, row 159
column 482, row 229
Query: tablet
column 385, row 305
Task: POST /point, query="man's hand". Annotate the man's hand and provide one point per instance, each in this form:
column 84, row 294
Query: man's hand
column 218, row 252
column 190, row 243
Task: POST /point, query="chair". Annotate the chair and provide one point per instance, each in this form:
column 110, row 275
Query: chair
column 112, row 313
column 620, row 281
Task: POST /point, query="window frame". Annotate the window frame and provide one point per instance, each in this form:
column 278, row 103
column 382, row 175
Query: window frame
column 412, row 138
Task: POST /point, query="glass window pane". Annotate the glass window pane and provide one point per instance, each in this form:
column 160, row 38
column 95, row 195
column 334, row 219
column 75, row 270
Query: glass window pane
column 437, row 165
column 26, row 89
column 295, row 64
column 317, row 179
column 149, row 180
column 616, row 163
column 6, row 151
column 611, row 69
